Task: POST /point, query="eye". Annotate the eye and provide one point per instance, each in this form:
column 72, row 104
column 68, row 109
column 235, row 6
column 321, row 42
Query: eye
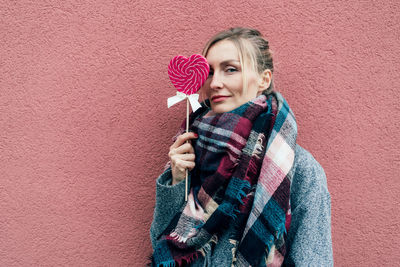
column 211, row 73
column 231, row 69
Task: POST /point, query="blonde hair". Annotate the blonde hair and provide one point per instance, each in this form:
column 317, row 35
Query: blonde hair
column 253, row 51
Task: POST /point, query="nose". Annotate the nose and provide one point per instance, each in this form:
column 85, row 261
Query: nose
column 216, row 82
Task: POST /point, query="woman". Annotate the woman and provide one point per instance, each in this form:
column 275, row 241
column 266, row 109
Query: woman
column 256, row 197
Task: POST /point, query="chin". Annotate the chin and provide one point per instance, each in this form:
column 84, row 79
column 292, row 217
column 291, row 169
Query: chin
column 220, row 108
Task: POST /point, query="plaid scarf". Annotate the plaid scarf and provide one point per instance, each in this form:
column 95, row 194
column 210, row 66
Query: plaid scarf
column 244, row 161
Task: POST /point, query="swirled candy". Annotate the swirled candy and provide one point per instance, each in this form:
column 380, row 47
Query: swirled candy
column 188, row 74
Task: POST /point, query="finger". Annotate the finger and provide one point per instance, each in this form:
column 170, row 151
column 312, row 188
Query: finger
column 181, row 139
column 185, row 148
column 186, row 157
column 176, row 159
column 183, row 164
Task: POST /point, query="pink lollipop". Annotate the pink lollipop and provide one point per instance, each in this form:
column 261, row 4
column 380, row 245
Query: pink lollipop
column 188, row 74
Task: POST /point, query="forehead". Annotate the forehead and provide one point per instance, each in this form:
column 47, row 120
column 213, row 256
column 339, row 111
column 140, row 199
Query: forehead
column 222, row 51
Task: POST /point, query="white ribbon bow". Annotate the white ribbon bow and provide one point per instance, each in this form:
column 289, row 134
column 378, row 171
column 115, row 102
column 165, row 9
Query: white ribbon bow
column 193, row 99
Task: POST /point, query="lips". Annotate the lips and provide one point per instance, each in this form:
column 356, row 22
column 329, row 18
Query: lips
column 219, row 98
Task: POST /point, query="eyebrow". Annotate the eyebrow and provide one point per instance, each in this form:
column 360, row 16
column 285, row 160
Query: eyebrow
column 226, row 62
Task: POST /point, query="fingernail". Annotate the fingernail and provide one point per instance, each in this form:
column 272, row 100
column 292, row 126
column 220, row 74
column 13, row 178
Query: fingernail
column 196, row 135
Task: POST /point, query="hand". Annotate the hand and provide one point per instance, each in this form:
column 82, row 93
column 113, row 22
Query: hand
column 181, row 156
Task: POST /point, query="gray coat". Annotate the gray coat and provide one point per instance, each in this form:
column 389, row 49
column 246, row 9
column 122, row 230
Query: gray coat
column 309, row 238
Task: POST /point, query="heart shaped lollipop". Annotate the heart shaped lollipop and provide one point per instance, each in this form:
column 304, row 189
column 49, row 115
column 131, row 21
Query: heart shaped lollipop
column 188, row 74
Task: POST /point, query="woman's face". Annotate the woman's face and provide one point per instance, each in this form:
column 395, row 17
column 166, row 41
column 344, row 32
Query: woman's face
column 224, row 86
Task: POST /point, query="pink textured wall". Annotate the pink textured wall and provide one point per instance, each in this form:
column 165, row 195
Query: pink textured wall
column 85, row 131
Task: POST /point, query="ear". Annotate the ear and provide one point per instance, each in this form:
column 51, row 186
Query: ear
column 265, row 80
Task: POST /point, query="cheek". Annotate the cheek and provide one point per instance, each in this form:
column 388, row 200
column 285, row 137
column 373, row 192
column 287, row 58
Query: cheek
column 206, row 88
column 237, row 87
column 236, row 82
column 204, row 92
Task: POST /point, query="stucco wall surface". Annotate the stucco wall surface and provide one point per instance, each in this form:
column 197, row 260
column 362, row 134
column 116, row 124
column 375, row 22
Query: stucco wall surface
column 85, row 129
